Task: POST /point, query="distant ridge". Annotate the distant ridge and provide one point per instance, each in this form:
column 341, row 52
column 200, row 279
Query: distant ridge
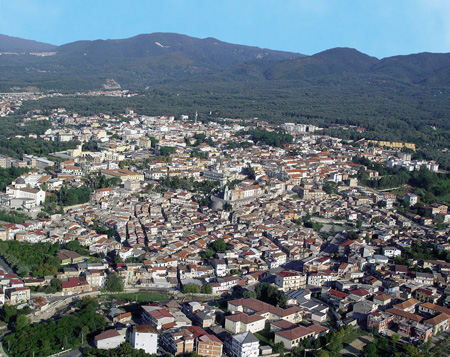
column 16, row 44
column 162, row 58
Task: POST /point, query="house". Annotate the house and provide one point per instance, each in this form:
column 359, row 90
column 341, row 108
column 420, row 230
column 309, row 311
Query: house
column 109, row 339
column 426, row 295
column 74, row 285
column 68, row 257
column 408, row 305
column 293, row 337
column 438, row 323
column 220, row 267
column 429, row 308
column 270, row 312
column 208, row 346
column 144, row 337
column 156, row 317
column 241, row 322
column 17, row 295
column 379, row 320
column 244, row 345
column 178, row 342
column 382, row 300
column 290, row 280
column 391, row 252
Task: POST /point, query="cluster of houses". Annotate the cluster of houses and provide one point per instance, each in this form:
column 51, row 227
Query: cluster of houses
column 163, row 238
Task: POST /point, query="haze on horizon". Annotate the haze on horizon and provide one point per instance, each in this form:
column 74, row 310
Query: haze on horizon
column 379, row 28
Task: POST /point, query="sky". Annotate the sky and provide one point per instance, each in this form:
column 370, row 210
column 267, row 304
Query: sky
column 380, row 28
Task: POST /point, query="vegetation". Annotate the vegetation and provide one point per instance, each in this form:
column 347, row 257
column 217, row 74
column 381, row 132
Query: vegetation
column 100, row 181
column 190, row 289
column 429, row 186
column 10, row 174
column 50, row 337
column 75, row 246
column 16, row 148
column 13, row 216
column 140, row 297
column 38, row 259
column 101, row 229
column 69, row 196
column 177, row 183
column 272, row 138
column 217, row 246
column 114, row 283
column 10, row 313
column 166, row 150
column 270, row 294
column 206, row 289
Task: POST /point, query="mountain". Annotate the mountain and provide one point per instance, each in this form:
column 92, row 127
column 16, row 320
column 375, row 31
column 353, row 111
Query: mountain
column 135, row 62
column 16, row 44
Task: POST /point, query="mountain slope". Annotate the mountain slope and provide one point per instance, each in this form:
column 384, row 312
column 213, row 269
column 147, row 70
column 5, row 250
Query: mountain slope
column 16, row 44
column 135, row 62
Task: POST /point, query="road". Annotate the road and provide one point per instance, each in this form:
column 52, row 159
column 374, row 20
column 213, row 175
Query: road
column 5, row 267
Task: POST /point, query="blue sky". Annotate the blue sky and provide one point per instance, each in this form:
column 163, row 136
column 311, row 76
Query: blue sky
column 380, row 28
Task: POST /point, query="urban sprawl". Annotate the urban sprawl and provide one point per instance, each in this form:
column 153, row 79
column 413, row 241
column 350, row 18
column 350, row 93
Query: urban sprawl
column 255, row 244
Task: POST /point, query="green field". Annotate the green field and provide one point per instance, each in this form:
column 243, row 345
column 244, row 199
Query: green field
column 139, row 297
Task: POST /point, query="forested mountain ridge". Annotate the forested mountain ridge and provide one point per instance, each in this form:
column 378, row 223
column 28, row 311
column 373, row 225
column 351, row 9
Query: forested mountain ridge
column 16, row 44
column 136, row 62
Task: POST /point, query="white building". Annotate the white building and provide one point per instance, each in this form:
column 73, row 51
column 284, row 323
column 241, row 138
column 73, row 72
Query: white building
column 144, row 337
column 109, row 339
column 244, row 345
column 391, row 252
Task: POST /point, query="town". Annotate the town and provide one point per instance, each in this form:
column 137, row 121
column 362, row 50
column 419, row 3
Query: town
column 248, row 239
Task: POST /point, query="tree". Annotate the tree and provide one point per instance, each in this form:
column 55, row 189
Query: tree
column 206, row 289
column 219, row 245
column 370, row 350
column 359, row 223
column 335, row 344
column 395, row 337
column 321, row 353
column 278, row 347
column 166, row 150
column 114, row 283
column 22, row 321
column 190, row 289
column 249, row 294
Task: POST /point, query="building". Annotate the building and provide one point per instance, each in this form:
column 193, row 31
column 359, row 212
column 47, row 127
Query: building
column 242, row 322
column 109, row 339
column 293, row 337
column 144, row 337
column 209, row 346
column 270, row 312
column 123, row 175
column 411, row 199
column 18, row 295
column 244, row 345
column 178, row 342
column 74, row 285
column 290, row 280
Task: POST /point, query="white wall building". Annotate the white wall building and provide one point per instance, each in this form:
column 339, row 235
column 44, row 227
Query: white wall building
column 144, row 337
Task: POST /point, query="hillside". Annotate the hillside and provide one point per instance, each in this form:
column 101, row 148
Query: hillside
column 16, row 44
column 135, row 62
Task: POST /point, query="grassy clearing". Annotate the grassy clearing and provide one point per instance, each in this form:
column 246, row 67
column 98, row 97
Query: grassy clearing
column 139, row 297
